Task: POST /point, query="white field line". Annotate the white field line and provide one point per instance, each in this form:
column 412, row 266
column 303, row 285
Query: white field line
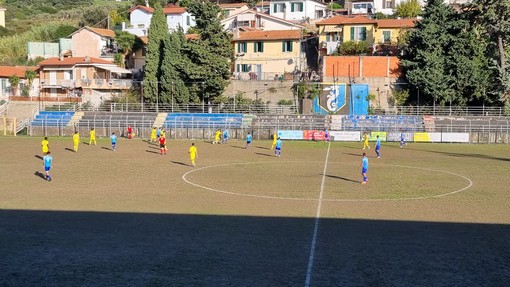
column 330, row 199
column 316, row 225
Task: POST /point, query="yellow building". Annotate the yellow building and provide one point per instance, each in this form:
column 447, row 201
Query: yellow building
column 267, row 55
column 2, row 16
column 339, row 29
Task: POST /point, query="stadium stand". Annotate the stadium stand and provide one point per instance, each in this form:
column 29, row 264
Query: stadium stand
column 290, row 122
column 52, row 118
column 199, row 120
column 382, row 123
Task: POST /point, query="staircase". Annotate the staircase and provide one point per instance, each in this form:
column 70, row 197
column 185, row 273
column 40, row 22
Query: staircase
column 160, row 120
column 75, row 119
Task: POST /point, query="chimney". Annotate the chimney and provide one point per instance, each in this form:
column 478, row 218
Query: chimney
column 87, row 59
column 147, row 3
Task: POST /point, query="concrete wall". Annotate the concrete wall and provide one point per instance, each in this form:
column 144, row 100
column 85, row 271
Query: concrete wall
column 248, row 88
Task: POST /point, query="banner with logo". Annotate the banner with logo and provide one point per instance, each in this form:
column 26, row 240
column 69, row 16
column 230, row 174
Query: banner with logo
column 427, row 137
column 345, row 136
column 332, row 98
column 373, row 136
column 290, row 135
column 395, row 137
column 314, row 135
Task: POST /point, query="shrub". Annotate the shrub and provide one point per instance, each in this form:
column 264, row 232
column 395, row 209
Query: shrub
column 353, row 48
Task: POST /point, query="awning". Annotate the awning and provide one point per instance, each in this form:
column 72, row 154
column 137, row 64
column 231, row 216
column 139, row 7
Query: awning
column 113, row 69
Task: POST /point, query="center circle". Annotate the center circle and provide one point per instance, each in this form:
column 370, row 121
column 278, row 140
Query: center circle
column 302, row 180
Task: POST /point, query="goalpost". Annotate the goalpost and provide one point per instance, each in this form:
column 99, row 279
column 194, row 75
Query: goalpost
column 8, row 126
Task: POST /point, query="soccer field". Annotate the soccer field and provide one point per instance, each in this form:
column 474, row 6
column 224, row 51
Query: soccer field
column 430, row 215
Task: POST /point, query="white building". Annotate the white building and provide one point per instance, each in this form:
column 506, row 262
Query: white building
column 385, row 6
column 294, row 10
column 253, row 20
column 140, row 19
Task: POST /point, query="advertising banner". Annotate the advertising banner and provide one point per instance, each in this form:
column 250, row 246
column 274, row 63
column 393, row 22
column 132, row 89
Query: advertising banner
column 395, row 137
column 314, row 135
column 455, row 137
column 373, row 136
column 345, row 136
column 427, row 137
column 290, row 135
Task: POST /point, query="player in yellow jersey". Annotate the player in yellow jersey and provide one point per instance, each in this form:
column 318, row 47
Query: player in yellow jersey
column 217, row 136
column 76, row 141
column 92, row 134
column 365, row 141
column 193, row 153
column 153, row 135
column 45, row 145
column 275, row 138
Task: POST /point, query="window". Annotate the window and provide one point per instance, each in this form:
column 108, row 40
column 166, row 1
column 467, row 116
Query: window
column 188, row 20
column 332, row 37
column 258, row 47
column 242, row 47
column 278, row 8
column 388, row 4
column 243, row 68
column 386, row 36
column 242, row 23
column 144, row 51
column 287, row 46
column 358, row 33
column 296, row 7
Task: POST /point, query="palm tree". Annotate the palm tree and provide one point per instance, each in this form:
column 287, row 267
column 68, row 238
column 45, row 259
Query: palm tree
column 14, row 81
column 30, row 76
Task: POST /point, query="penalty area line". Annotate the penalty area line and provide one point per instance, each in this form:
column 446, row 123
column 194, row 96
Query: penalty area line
column 316, row 224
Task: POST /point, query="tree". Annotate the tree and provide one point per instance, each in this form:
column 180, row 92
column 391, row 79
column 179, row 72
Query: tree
column 158, row 31
column 30, row 76
column 210, row 55
column 14, row 81
column 152, row 3
column 127, row 43
column 493, row 17
column 172, row 86
column 408, row 9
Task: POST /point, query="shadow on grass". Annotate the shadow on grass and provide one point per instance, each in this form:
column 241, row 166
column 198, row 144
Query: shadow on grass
column 38, row 156
column 453, row 154
column 265, row 154
column 180, row 163
column 153, row 147
column 106, row 148
column 69, row 149
column 262, row 147
column 151, row 151
column 342, row 178
column 71, row 248
column 236, row 146
column 40, row 174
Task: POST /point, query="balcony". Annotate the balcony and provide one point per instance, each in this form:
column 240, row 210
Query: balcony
column 106, row 84
column 65, row 84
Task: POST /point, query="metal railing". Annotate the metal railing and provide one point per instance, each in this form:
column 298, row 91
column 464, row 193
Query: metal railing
column 442, row 111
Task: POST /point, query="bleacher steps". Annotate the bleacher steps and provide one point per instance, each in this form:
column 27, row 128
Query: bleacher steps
column 75, row 119
column 160, row 120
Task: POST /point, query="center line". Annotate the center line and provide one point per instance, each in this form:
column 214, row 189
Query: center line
column 316, row 225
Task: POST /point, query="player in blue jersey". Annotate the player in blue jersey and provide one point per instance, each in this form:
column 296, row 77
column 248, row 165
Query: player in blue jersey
column 248, row 140
column 378, row 147
column 114, row 141
column 326, row 135
column 278, row 148
column 364, row 168
column 402, row 140
column 225, row 136
column 47, row 162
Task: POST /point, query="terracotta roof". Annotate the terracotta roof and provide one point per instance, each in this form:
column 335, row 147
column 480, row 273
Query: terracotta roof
column 232, row 5
column 145, row 39
column 71, row 61
column 396, row 23
column 170, row 9
column 342, row 20
column 7, row 71
column 103, row 32
column 269, row 35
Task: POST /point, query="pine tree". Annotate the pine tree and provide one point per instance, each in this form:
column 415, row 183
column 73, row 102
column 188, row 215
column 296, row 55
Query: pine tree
column 158, row 31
